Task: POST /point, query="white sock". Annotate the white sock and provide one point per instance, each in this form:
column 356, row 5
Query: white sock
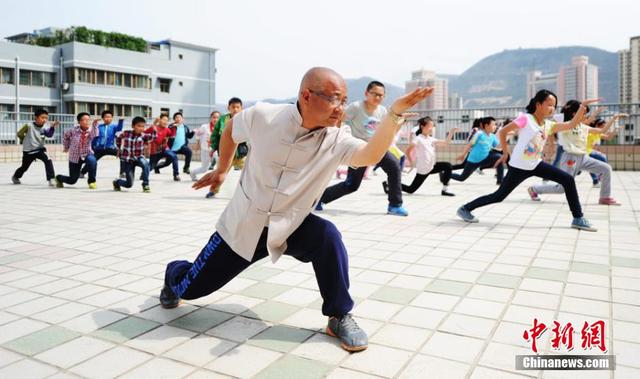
column 445, row 187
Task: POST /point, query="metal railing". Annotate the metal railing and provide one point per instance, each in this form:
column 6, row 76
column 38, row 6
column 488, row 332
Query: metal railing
column 11, row 122
column 445, row 119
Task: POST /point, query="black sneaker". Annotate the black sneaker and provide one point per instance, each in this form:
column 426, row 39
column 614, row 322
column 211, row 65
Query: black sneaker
column 186, row 171
column 168, row 299
column 447, row 193
column 385, row 187
column 156, row 170
column 146, row 189
column 15, row 180
column 352, row 338
column 176, row 178
column 116, row 186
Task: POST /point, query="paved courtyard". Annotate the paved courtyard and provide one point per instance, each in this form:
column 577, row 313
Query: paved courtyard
column 80, row 272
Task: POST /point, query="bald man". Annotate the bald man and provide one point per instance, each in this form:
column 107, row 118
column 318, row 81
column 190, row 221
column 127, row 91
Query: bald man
column 294, row 151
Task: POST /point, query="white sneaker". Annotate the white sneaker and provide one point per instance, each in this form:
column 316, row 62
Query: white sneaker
column 193, row 177
column 52, row 183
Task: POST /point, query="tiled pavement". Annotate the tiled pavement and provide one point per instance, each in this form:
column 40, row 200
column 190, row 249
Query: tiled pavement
column 80, row 273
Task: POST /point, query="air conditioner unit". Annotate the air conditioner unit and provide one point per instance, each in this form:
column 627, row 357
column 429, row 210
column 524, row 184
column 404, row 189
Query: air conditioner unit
column 65, row 86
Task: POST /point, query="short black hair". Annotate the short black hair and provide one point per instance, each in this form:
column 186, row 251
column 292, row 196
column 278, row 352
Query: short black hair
column 138, row 120
column 163, row 115
column 486, row 121
column 234, row 100
column 106, row 112
column 599, row 121
column 40, row 111
column 214, row 112
column 176, row 114
column 81, row 115
column 476, row 123
column 374, row 83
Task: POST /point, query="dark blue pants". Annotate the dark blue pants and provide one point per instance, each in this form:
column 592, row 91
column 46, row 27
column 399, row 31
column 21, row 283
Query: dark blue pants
column 602, row 158
column 99, row 153
column 543, row 170
column 186, row 151
column 390, row 166
column 559, row 151
column 316, row 240
column 488, row 162
column 170, row 158
column 90, row 163
column 129, row 166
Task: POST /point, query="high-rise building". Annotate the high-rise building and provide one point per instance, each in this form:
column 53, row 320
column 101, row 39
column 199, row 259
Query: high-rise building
column 537, row 81
column 455, row 101
column 579, row 81
column 425, row 78
column 629, row 72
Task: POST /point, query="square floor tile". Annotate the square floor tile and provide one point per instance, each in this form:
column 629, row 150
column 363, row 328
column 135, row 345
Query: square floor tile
column 378, row 360
column 200, row 350
column 295, row 367
column 125, row 329
column 280, row 338
column 41, row 340
column 201, row 320
column 238, row 329
column 160, row 339
column 74, row 352
column 244, row 361
column 112, row 363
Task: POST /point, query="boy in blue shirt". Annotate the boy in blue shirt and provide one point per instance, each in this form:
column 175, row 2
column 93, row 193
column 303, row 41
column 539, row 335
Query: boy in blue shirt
column 481, row 151
column 105, row 142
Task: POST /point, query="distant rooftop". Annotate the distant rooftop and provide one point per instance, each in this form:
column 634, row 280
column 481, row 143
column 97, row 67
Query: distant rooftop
column 53, row 36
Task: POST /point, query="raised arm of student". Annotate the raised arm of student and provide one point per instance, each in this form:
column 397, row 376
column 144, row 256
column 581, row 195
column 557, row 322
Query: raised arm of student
column 371, row 153
column 607, row 126
column 577, row 118
column 447, row 141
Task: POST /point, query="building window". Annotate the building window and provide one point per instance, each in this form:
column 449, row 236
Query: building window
column 465, row 118
column 6, row 75
column 165, row 84
column 164, row 111
column 32, row 108
column 440, row 119
column 37, row 78
column 109, row 78
column 119, row 110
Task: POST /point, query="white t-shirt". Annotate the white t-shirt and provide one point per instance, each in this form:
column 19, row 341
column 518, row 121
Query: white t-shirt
column 527, row 153
column 203, row 134
column 425, row 153
column 574, row 141
column 363, row 125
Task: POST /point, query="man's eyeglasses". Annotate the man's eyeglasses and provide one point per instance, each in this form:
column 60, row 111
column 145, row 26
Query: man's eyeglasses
column 334, row 101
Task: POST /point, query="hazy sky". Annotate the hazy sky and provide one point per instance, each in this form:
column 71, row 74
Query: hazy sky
column 266, row 46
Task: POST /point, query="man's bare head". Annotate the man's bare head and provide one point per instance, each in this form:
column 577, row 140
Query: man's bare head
column 322, row 96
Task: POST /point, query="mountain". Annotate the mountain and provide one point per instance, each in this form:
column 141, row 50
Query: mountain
column 500, row 79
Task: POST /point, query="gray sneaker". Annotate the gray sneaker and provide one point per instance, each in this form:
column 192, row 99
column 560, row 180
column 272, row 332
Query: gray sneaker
column 15, row 180
column 352, row 338
column 466, row 215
